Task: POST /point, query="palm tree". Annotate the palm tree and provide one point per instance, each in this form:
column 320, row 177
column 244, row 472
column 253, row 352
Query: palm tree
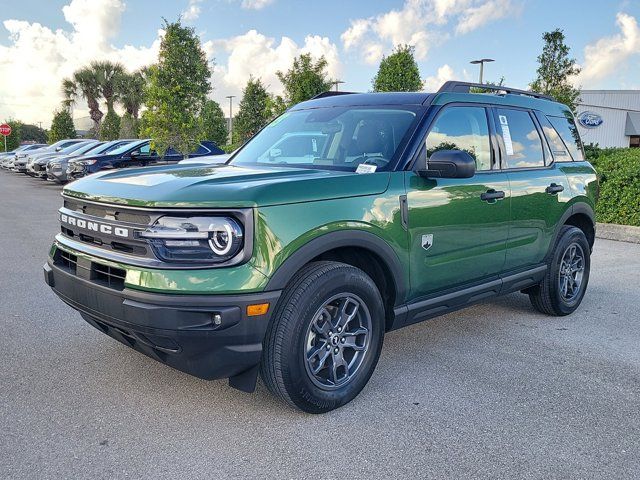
column 130, row 91
column 106, row 73
column 84, row 83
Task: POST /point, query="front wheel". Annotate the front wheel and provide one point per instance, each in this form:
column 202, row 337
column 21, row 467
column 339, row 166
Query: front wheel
column 565, row 282
column 325, row 338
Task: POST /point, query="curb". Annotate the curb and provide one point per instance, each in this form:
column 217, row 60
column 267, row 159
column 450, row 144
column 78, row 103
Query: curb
column 621, row 233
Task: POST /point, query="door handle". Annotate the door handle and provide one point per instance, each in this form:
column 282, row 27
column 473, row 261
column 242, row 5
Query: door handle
column 492, row 194
column 554, row 188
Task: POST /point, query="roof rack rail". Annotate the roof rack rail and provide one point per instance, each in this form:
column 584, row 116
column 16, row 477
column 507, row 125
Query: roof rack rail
column 465, row 87
column 330, row 93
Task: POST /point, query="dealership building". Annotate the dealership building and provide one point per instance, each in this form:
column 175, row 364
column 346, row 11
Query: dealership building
column 610, row 118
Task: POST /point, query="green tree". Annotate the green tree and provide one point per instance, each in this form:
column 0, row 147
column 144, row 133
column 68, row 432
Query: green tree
column 13, row 140
column 129, row 126
column 110, row 127
column 214, row 125
column 107, row 74
column 253, row 112
column 398, row 72
column 86, row 84
column 130, row 91
column 499, row 83
column 178, row 88
column 62, row 126
column 275, row 106
column 555, row 70
column 33, row 133
column 305, row 79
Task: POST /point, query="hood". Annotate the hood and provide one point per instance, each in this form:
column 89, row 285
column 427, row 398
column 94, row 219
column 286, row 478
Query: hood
column 223, row 186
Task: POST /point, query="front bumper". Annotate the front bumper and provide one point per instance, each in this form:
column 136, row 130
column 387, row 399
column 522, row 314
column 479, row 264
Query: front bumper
column 75, row 171
column 57, row 174
column 175, row 329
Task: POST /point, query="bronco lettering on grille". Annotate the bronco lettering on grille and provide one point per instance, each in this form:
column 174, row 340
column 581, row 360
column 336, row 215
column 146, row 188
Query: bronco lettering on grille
column 94, row 226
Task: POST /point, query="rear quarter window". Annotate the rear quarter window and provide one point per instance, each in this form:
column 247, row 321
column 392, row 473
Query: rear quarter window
column 568, row 131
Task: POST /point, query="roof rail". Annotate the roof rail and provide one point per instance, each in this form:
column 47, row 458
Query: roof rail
column 330, row 93
column 465, row 87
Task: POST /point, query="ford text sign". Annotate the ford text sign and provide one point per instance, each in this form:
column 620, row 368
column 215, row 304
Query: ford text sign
column 590, row 120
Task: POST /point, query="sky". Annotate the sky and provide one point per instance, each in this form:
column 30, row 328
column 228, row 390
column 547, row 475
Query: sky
column 44, row 41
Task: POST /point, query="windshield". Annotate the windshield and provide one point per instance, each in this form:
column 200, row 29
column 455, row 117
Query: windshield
column 110, row 146
column 126, row 147
column 86, row 148
column 72, row 147
column 339, row 138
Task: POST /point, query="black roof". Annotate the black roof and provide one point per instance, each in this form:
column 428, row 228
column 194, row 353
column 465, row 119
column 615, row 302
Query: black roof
column 344, row 99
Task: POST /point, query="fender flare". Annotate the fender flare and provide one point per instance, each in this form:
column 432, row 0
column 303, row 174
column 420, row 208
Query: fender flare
column 338, row 239
column 578, row 207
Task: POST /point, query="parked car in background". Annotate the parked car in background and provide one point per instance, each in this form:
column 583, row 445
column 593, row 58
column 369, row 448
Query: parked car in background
column 22, row 148
column 7, row 158
column 57, row 167
column 37, row 164
column 20, row 162
column 206, row 160
column 134, row 154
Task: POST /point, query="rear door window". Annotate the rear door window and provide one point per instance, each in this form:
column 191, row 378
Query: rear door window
column 567, row 130
column 521, row 140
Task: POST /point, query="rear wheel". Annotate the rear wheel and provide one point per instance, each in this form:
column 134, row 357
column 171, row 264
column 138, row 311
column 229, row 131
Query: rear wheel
column 565, row 282
column 325, row 338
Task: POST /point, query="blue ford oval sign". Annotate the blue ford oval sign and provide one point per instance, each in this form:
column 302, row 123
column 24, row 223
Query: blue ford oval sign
column 590, row 120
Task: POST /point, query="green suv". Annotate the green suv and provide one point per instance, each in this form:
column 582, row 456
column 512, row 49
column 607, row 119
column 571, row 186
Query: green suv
column 347, row 217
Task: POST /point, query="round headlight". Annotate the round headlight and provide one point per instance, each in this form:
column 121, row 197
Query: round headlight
column 195, row 239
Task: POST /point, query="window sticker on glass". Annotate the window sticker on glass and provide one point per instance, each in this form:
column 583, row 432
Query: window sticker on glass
column 506, row 134
column 366, row 168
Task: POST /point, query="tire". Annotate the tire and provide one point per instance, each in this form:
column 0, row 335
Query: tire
column 549, row 296
column 306, row 321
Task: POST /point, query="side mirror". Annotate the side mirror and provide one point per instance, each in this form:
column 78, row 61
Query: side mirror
column 134, row 154
column 448, row 164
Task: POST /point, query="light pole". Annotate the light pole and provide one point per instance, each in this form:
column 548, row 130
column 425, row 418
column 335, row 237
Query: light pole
column 482, row 61
column 336, row 83
column 230, row 97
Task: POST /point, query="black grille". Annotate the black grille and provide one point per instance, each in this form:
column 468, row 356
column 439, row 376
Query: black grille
column 110, row 277
column 66, row 261
column 114, row 215
column 109, row 213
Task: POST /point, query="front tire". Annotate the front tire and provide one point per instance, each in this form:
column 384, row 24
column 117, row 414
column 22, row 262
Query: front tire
column 325, row 338
column 565, row 283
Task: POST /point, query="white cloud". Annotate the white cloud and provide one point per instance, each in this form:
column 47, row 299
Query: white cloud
column 193, row 10
column 434, row 82
column 352, row 36
column 420, row 23
column 444, row 74
column 256, row 54
column 475, row 17
column 37, row 58
column 255, row 4
column 605, row 56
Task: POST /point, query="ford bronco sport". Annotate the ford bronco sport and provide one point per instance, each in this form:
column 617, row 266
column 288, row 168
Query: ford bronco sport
column 294, row 258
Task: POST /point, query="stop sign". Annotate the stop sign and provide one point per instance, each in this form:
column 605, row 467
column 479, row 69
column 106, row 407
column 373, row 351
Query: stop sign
column 5, row 129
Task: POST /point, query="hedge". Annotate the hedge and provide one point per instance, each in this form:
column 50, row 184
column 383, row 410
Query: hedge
column 619, row 173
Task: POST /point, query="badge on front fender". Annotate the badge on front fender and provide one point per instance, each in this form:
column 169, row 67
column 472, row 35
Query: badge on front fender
column 427, row 241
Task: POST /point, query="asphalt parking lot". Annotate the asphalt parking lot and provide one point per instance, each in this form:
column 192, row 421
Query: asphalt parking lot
column 496, row 390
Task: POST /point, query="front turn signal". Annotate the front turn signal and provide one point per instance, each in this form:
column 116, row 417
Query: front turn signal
column 257, row 309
